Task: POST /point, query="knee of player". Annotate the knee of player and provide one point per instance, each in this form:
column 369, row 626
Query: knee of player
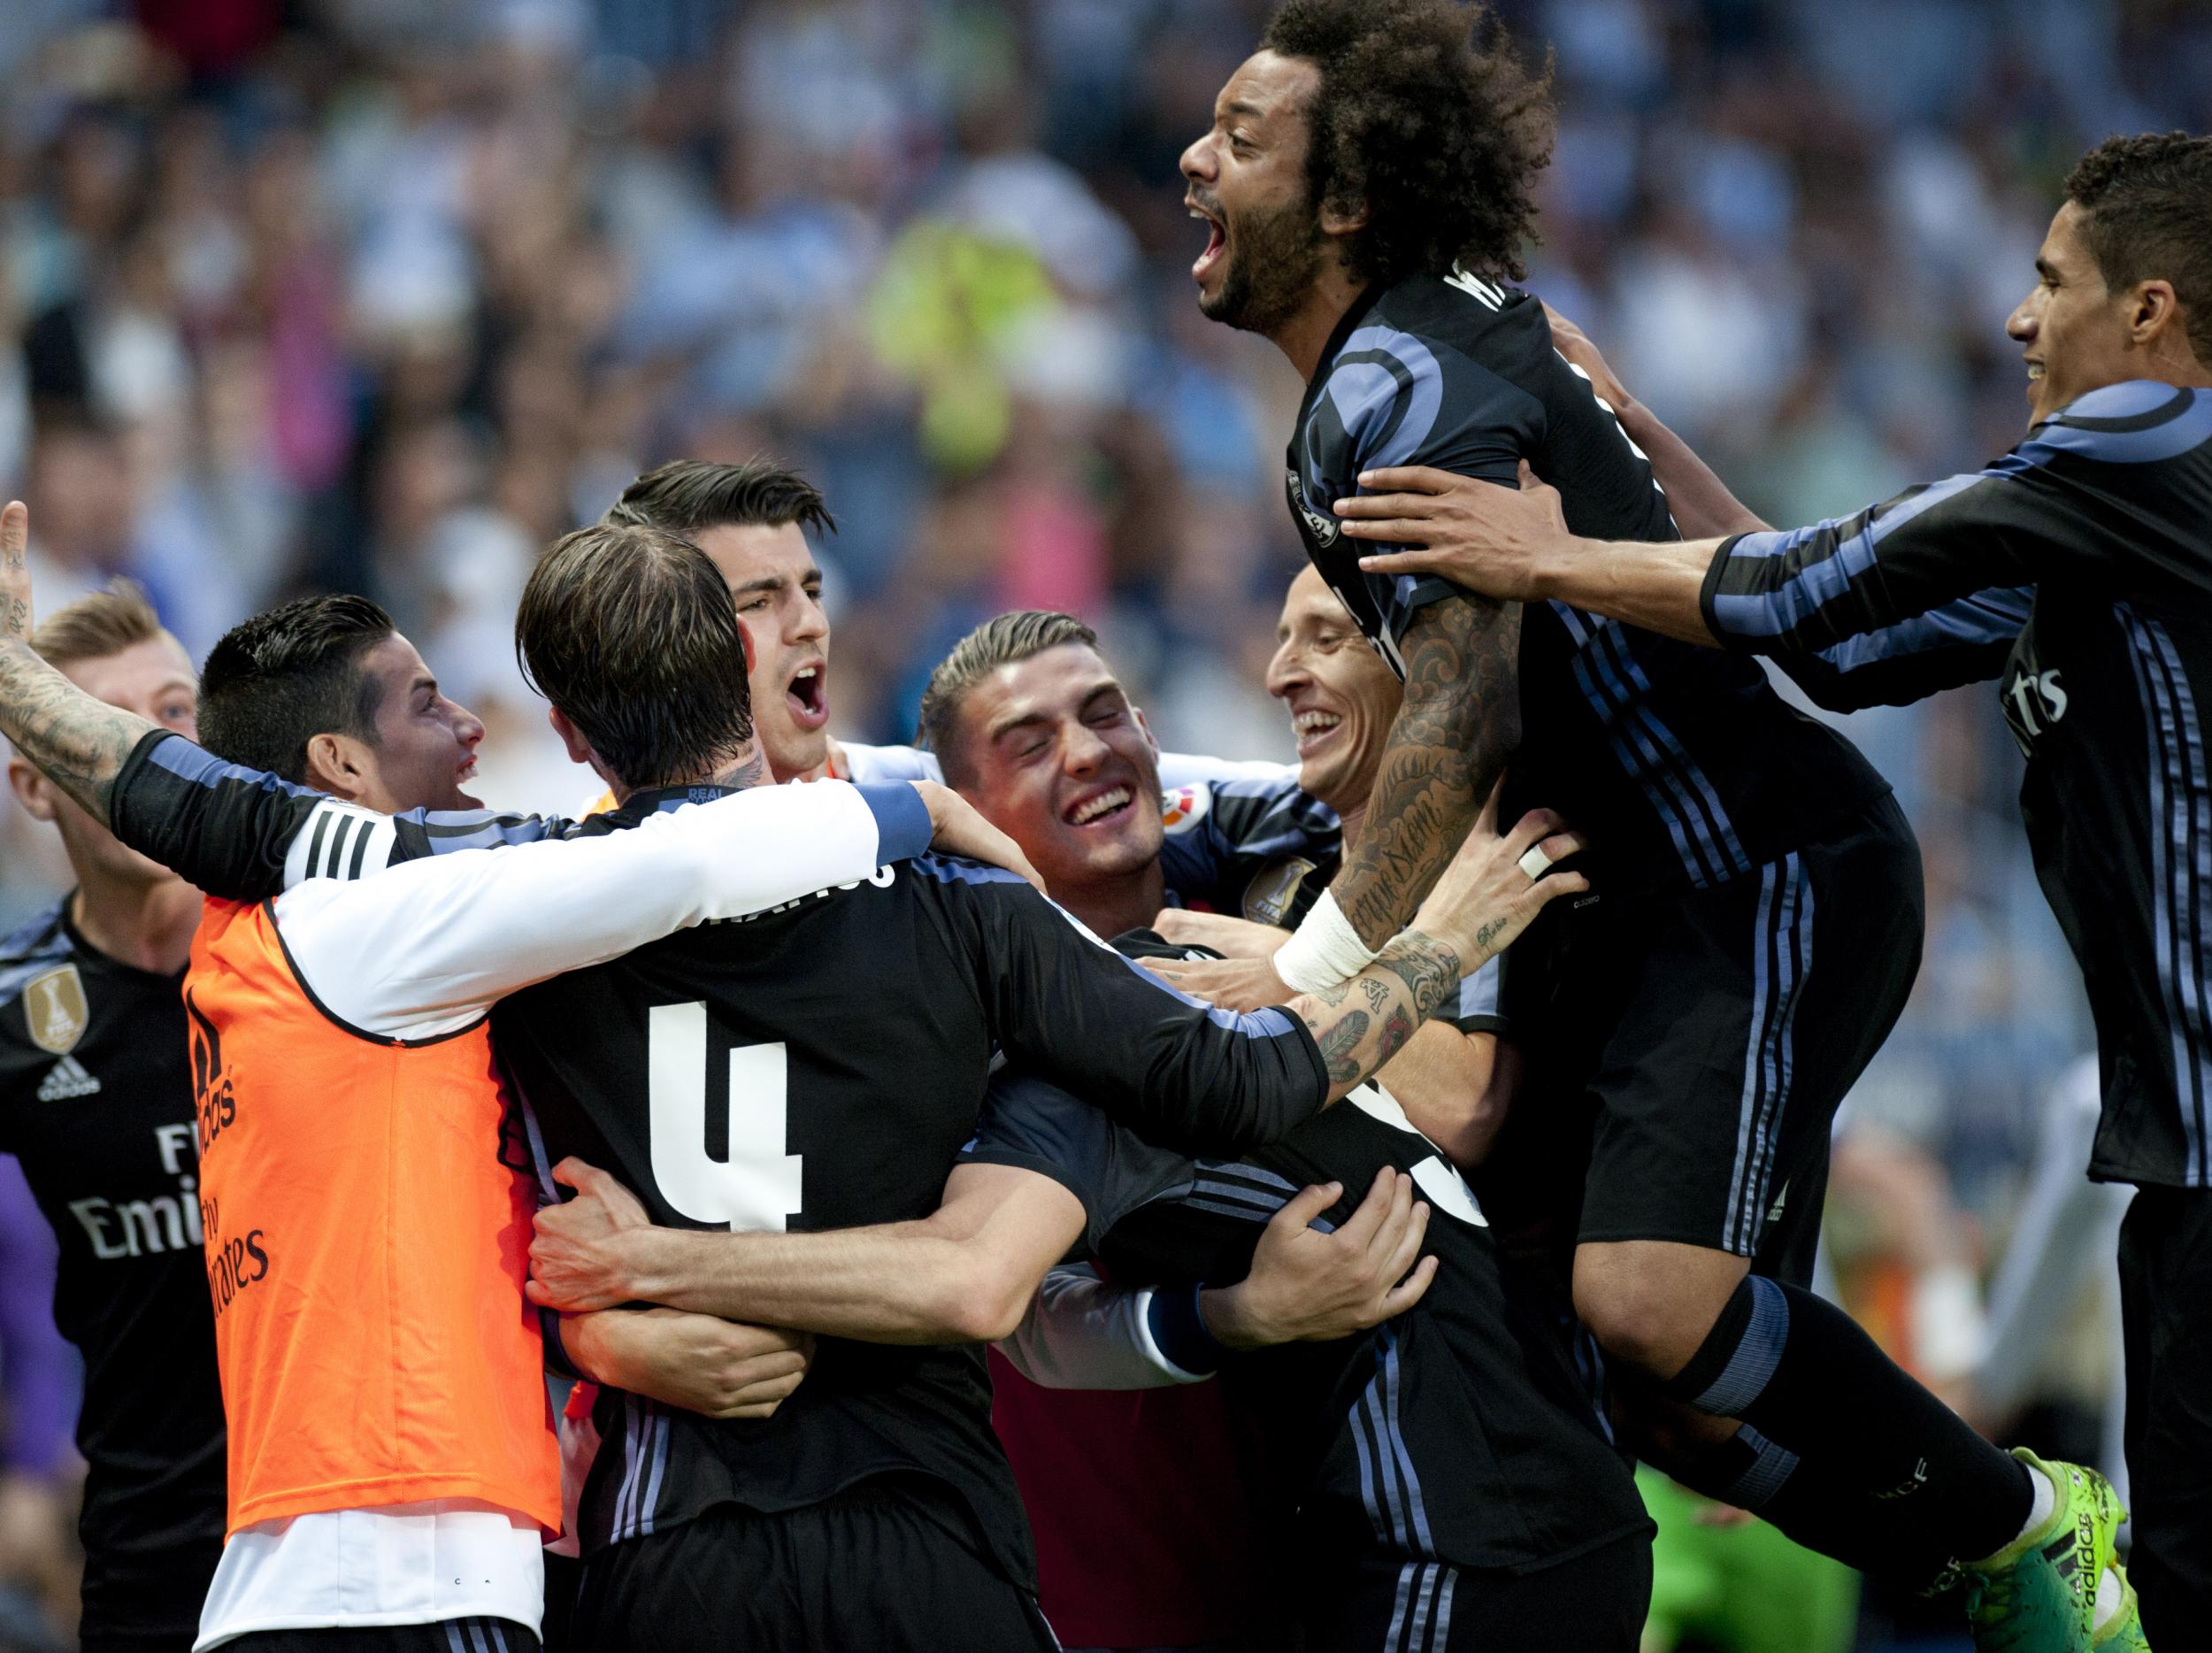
column 1640, row 1318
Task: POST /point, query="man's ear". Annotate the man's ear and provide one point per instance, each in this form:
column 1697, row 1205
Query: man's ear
column 32, row 789
column 571, row 737
column 1337, row 220
column 341, row 764
column 2154, row 318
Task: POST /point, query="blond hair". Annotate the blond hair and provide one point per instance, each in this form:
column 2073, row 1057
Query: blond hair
column 107, row 622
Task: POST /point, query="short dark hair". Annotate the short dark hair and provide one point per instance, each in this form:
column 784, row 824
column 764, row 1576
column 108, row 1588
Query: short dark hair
column 277, row 681
column 1425, row 113
column 685, row 495
column 2147, row 203
column 1012, row 638
column 629, row 630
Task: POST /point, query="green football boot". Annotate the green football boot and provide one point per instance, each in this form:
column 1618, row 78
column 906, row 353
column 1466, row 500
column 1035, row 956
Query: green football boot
column 2039, row 1594
column 2124, row 1633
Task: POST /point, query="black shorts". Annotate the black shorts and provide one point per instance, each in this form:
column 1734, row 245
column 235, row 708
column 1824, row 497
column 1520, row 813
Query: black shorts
column 1594, row 1603
column 1708, row 1039
column 444, row 1636
column 2166, row 1305
column 884, row 1566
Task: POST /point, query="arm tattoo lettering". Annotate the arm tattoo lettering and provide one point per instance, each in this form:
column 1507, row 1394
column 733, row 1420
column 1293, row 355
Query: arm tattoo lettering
column 1377, row 996
column 1460, row 722
column 79, row 743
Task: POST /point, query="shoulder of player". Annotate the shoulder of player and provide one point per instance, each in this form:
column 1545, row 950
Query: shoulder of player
column 1233, row 811
column 2139, row 422
column 1435, row 340
column 35, row 950
column 39, row 944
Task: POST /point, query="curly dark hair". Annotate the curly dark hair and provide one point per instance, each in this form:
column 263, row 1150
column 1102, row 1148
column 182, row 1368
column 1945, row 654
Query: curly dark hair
column 2149, row 202
column 1426, row 114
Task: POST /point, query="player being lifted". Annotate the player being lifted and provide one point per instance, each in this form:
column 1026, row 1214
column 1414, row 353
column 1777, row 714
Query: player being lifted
column 2076, row 568
column 1367, row 183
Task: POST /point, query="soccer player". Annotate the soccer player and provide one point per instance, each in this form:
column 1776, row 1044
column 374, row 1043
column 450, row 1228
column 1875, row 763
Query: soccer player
column 1034, row 729
column 1367, row 183
column 96, row 1100
column 1031, row 726
column 2077, row 568
column 752, row 519
column 431, row 1473
column 874, row 1510
column 1036, row 679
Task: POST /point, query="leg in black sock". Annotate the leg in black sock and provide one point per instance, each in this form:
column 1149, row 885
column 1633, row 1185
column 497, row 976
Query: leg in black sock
column 1907, row 1470
column 1838, row 1520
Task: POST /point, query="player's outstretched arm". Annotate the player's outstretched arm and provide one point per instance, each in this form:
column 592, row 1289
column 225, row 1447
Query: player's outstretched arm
column 75, row 739
column 1509, row 544
column 963, row 1274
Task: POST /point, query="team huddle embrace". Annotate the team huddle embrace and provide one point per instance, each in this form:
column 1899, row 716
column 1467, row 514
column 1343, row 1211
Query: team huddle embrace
column 806, row 1201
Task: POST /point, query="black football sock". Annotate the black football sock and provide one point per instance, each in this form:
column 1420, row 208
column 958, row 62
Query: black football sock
column 1803, row 1373
column 1806, row 1502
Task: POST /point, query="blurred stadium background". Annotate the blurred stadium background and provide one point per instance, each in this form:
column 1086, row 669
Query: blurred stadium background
column 383, row 294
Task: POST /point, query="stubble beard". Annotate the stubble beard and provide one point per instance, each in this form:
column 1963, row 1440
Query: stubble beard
column 1276, row 262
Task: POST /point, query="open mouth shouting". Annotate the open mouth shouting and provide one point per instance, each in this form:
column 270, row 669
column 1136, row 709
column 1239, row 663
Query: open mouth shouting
column 805, row 695
column 1216, row 241
column 1105, row 807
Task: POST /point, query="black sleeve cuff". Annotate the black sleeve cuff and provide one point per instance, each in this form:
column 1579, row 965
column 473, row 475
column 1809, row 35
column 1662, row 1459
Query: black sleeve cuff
column 1180, row 1330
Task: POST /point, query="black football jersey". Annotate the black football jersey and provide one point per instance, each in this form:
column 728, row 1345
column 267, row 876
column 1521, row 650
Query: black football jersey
column 820, row 1066
column 1259, row 849
column 95, row 1101
column 2079, row 567
column 1682, row 764
column 1469, row 1430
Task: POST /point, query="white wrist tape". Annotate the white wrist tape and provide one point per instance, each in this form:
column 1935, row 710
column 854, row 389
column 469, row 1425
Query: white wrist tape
column 1325, row 951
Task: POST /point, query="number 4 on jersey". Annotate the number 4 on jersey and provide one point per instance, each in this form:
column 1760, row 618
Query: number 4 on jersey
column 758, row 1185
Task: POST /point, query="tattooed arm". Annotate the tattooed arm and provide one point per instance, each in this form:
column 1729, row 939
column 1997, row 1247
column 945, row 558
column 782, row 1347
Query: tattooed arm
column 78, row 742
column 1207, row 1081
column 1460, row 720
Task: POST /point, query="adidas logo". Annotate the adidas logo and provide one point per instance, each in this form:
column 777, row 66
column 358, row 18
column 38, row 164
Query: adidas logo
column 68, row 1080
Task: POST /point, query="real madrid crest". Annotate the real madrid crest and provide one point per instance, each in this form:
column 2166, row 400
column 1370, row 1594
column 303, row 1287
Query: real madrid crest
column 54, row 1007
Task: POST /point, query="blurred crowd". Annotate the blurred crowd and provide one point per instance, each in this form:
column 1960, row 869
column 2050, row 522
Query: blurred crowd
column 383, row 294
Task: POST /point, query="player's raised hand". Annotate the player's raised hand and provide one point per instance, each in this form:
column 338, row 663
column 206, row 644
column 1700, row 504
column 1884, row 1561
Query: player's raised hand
column 580, row 1258
column 1496, row 885
column 1492, row 540
column 1308, row 1286
column 16, row 617
column 961, row 830
column 1231, row 938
